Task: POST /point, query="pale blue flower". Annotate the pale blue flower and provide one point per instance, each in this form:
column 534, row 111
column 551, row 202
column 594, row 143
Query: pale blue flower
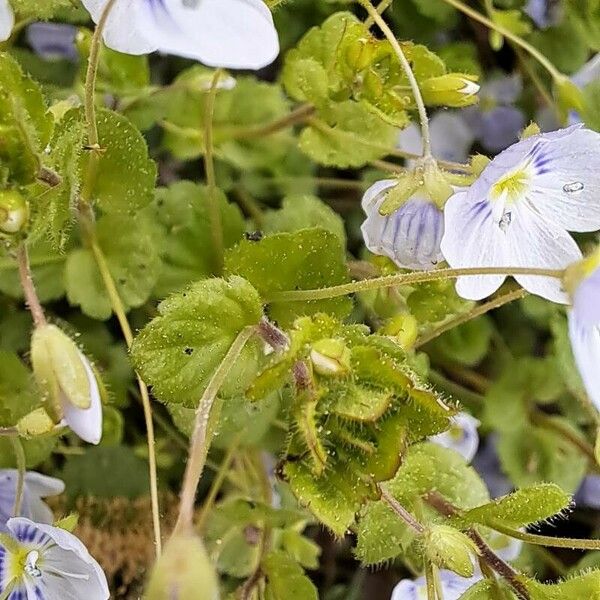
column 237, row 34
column 41, row 562
column 495, row 122
column 519, row 212
column 544, row 13
column 462, row 437
column 584, row 331
column 7, row 20
column 588, row 494
column 53, row 41
column 451, row 137
column 35, row 487
column 453, row 586
column 410, row 236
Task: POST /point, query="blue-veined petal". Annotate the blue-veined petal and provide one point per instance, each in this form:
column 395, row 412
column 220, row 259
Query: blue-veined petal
column 453, row 587
column 410, row 236
column 7, row 20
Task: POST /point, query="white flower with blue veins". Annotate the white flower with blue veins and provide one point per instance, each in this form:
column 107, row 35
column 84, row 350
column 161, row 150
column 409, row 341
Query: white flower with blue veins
column 237, row 34
column 519, row 212
column 410, row 236
column 453, row 587
column 35, row 487
column 41, row 562
column 462, row 437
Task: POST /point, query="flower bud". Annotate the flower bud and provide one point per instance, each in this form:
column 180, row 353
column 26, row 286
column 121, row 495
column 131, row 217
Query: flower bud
column 403, row 328
column 35, row 423
column 67, row 381
column 14, row 211
column 330, row 357
column 360, row 53
column 183, row 571
column 453, row 89
column 448, row 548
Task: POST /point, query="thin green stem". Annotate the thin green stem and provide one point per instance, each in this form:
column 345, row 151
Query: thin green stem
column 406, row 516
column 31, row 298
column 479, row 310
column 455, row 389
column 545, row 540
column 519, row 41
column 88, row 231
column 201, row 436
column 406, row 279
column 430, row 581
column 381, row 8
column 412, row 80
column 299, row 115
column 216, row 225
column 21, row 466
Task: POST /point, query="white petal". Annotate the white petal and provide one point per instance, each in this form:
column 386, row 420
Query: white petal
column 237, row 34
column 374, row 195
column 124, row 30
column 585, row 300
column 453, row 587
column 406, row 590
column 473, row 239
column 462, row 437
column 533, row 241
column 7, row 20
column 585, row 342
column 86, row 423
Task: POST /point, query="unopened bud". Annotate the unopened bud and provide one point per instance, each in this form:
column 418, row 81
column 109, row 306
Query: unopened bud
column 330, row 357
column 403, row 328
column 35, row 424
column 360, row 53
column 453, row 89
column 183, row 571
column 448, row 548
column 14, row 211
column 67, row 382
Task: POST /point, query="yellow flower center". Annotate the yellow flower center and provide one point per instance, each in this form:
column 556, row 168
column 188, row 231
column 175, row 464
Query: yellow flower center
column 512, row 186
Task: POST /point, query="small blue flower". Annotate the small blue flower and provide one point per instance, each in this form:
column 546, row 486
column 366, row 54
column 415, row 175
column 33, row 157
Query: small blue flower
column 588, row 494
column 41, row 562
column 410, row 236
column 453, row 586
column 462, row 437
column 544, row 13
column 52, row 41
column 35, row 487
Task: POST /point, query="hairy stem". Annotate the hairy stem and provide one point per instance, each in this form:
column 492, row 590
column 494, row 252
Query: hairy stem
column 31, row 298
column 430, row 581
column 412, row 80
column 519, row 41
column 21, row 465
column 407, row 517
column 406, row 279
column 482, row 309
column 201, row 435
column 297, row 116
column 88, row 230
column 216, row 225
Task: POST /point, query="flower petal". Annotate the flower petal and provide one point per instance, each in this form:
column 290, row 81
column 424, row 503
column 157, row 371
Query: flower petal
column 453, row 586
column 86, row 422
column 237, row 34
column 585, row 300
column 462, row 437
column 533, row 241
column 585, row 341
column 500, row 127
column 7, row 20
column 124, row 30
column 473, row 239
column 589, row 73
column 589, row 492
column 407, row 589
column 53, row 41
column 410, row 236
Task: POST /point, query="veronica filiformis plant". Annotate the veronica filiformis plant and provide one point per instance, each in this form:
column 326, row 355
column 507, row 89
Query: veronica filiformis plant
column 519, row 212
column 41, row 562
column 237, row 34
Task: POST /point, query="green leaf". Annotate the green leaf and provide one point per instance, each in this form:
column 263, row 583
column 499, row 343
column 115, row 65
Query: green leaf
column 524, row 507
column 132, row 256
column 189, row 250
column 25, row 124
column 178, row 351
column 125, row 178
column 303, row 212
column 39, row 10
column 348, row 135
column 106, row 472
column 286, row 579
column 585, row 586
column 426, row 467
column 18, row 394
column 36, row 451
column 306, row 259
column 467, row 344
